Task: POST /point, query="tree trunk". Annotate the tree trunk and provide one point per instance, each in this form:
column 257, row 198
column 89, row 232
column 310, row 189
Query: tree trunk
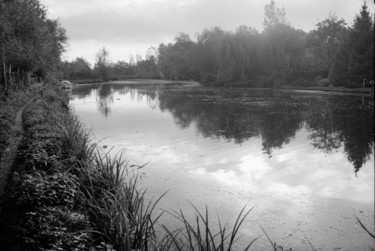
column 4, row 71
column 10, row 75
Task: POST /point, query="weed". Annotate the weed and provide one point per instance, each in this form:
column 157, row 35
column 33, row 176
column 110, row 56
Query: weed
column 200, row 235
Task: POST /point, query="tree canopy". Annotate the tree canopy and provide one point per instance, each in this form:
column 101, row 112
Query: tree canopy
column 30, row 42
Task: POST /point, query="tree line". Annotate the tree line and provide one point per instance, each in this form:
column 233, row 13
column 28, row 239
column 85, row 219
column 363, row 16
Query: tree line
column 333, row 54
column 80, row 69
column 31, row 44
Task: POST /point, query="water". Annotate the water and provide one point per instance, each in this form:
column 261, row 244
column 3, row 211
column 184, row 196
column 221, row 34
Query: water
column 305, row 160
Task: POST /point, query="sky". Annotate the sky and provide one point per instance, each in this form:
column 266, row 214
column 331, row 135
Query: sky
column 126, row 27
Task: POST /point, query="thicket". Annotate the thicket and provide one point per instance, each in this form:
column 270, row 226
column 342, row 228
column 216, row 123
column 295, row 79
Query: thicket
column 30, row 44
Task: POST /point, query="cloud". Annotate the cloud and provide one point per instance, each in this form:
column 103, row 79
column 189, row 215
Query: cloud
column 153, row 20
column 140, row 24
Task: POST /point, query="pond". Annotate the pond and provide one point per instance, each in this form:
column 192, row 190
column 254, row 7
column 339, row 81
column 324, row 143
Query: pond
column 304, row 160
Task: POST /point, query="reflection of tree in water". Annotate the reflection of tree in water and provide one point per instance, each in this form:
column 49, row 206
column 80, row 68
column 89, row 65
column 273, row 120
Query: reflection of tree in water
column 324, row 132
column 104, row 99
column 279, row 123
column 82, row 92
column 220, row 117
column 344, row 121
column 332, row 121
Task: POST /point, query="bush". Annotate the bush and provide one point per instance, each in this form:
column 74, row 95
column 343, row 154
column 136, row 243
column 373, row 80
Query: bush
column 323, row 82
column 40, row 189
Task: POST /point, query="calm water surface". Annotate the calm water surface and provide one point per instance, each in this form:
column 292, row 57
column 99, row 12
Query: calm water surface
column 304, row 160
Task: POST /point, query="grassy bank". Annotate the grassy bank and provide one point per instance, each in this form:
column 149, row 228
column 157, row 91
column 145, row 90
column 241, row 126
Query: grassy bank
column 8, row 109
column 64, row 194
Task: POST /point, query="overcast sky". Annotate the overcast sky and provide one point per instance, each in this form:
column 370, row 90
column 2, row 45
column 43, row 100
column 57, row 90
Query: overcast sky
column 129, row 26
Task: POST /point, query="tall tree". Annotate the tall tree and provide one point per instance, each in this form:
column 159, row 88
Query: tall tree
column 102, row 65
column 361, row 42
column 354, row 60
column 274, row 16
column 30, row 42
column 325, row 40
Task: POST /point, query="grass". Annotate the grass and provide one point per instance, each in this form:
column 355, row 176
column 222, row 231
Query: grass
column 115, row 205
column 8, row 109
column 200, row 236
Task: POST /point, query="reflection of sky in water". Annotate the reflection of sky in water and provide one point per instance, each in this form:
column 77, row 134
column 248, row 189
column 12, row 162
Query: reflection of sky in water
column 304, row 182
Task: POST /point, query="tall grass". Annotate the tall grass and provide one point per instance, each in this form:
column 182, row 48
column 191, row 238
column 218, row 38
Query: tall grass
column 115, row 204
column 199, row 236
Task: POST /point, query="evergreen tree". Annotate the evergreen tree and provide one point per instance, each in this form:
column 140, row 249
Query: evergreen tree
column 361, row 42
column 354, row 60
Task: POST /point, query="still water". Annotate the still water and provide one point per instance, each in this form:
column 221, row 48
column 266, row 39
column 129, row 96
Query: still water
column 305, row 160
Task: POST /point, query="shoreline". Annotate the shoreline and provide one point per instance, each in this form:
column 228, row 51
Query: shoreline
column 365, row 92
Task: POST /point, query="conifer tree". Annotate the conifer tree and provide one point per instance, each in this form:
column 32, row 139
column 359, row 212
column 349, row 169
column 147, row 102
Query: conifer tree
column 354, row 60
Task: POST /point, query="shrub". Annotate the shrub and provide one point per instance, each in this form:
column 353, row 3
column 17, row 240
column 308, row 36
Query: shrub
column 323, row 82
column 40, row 189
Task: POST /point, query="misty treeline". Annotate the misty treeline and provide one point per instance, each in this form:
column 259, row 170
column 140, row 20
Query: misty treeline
column 333, row 54
column 80, row 69
column 30, row 43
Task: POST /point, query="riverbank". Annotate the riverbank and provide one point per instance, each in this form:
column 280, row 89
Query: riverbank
column 63, row 193
column 366, row 92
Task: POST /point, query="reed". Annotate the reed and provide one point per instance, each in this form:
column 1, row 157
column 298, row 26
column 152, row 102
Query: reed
column 115, row 204
column 200, row 236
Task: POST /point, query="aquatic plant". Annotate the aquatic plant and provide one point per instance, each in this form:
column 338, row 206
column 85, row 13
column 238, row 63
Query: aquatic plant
column 200, row 236
column 115, row 205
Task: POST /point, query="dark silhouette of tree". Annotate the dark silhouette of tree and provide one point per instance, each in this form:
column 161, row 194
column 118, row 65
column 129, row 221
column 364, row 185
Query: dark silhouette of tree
column 102, row 65
column 354, row 61
column 30, row 43
column 324, row 42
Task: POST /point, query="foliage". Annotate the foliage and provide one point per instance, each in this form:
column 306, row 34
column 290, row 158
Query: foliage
column 114, row 204
column 354, row 60
column 324, row 42
column 101, row 68
column 56, row 229
column 8, row 109
column 30, row 42
column 41, row 189
column 200, row 236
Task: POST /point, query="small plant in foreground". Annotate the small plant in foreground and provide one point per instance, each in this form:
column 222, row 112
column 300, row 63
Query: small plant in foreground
column 274, row 245
column 200, row 236
column 115, row 205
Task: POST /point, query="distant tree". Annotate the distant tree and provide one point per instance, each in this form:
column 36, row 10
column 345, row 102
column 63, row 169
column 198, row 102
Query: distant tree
column 122, row 68
column 175, row 60
column 325, row 40
column 102, row 65
column 274, row 16
column 77, row 69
